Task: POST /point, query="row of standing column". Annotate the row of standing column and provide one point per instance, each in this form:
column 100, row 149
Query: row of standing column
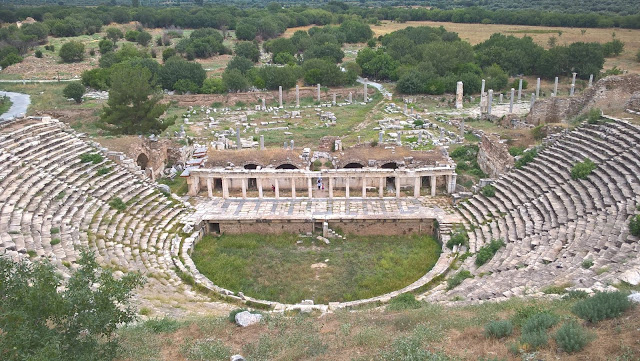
column 276, row 186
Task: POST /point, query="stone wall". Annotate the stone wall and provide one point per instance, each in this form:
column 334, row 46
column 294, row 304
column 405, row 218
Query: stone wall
column 610, row 93
column 493, row 156
column 361, row 227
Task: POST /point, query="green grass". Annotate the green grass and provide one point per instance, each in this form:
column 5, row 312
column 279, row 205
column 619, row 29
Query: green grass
column 262, row 265
column 178, row 185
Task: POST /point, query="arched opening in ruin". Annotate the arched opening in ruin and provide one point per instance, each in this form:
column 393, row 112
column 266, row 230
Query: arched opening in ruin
column 252, row 183
column 390, row 165
column 286, row 166
column 353, row 165
column 142, row 161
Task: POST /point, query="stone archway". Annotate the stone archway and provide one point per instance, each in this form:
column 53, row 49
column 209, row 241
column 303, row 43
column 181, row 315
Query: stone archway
column 286, row 166
column 353, row 165
column 142, row 161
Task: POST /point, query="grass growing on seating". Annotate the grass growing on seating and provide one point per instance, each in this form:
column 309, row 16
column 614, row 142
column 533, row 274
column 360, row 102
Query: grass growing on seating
column 485, row 253
column 274, row 267
column 178, row 185
column 94, row 158
column 581, row 170
column 117, row 204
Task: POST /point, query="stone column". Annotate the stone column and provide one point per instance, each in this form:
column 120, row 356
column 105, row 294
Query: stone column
column 433, row 185
column 225, row 188
column 490, row 101
column 397, row 187
column 346, row 186
column 381, row 187
column 365, row 90
column 292, row 144
column 500, row 99
column 259, row 185
column 264, row 103
column 277, row 188
column 590, row 80
column 538, row 88
column 459, row 92
column 364, row 187
column 333, row 101
column 513, row 93
column 573, row 89
column 330, row 187
column 420, row 137
column 280, row 95
column 416, row 187
column 209, row 188
column 261, row 142
column 297, row 95
column 244, row 188
column 380, row 137
column 405, row 109
column 310, row 188
column 350, row 97
column 520, row 89
column 239, row 145
column 573, row 78
column 555, row 87
column 533, row 100
column 318, row 90
column 482, row 89
column 452, row 183
column 293, row 188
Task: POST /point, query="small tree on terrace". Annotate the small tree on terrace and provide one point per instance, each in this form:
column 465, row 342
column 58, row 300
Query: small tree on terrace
column 133, row 106
column 39, row 322
column 74, row 91
column 72, row 52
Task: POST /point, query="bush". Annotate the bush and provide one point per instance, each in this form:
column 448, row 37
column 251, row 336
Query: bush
column 587, row 263
column 167, row 53
column 539, row 322
column 516, row 84
column 485, row 253
column 594, row 116
column 460, row 237
column 534, row 340
column 489, row 191
column 498, row 329
column 71, row 52
column 538, row 133
column 10, row 59
column 601, row 306
column 634, row 225
column 143, row 38
column 162, row 325
column 212, row 86
column 74, row 91
column 104, row 170
column 117, row 204
column 94, row 158
column 404, row 301
column 516, row 151
column 581, row 170
column 38, row 54
column 55, row 241
column 526, row 158
column 571, row 337
column 457, row 279
column 233, row 313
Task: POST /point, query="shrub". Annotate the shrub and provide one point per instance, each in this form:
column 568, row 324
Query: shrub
column 526, row 158
column 374, row 143
column 498, row 329
column 55, row 230
column 539, row 132
column 460, row 237
column 575, row 295
column 581, row 170
column 594, row 116
column 485, row 253
column 55, row 241
column 601, row 306
column 233, row 313
column 404, row 301
column 94, row 158
column 539, row 322
column 516, row 151
column 71, row 52
column 38, row 53
column 457, row 279
column 117, row 204
column 162, row 325
column 534, row 340
column 516, row 84
column 571, row 337
column 74, row 91
column 489, row 191
column 418, row 122
column 587, row 263
column 634, row 225
column 104, row 170
column 523, row 313
column 92, row 52
column 143, row 38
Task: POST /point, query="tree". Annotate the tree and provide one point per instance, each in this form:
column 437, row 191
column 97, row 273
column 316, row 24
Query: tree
column 176, row 68
column 74, row 91
column 246, row 32
column 497, row 79
column 241, row 63
column 114, row 34
column 212, row 86
column 39, row 322
column 143, row 38
column 248, row 49
column 105, row 46
column 356, row 31
column 72, row 52
column 135, row 3
column 167, row 53
column 133, row 106
column 234, row 81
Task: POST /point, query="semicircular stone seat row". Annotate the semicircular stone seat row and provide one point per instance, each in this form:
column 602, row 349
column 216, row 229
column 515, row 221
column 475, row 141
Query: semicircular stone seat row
column 52, row 205
column 551, row 223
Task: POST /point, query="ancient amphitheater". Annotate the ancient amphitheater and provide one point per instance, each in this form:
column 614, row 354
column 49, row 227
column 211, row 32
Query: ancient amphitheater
column 52, row 204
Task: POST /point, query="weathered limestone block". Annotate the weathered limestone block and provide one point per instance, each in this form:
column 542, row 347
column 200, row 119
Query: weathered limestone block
column 493, row 156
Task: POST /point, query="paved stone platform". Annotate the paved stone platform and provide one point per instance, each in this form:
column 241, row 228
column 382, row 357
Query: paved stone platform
column 322, row 208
